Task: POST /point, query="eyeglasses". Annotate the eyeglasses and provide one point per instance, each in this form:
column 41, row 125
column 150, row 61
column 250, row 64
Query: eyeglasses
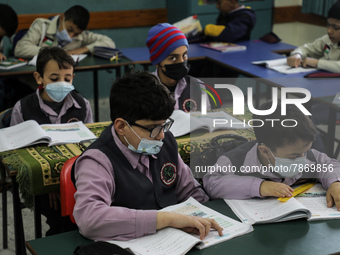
column 156, row 130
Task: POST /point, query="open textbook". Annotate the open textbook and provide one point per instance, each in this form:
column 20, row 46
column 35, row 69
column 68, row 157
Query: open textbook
column 184, row 123
column 280, row 65
column 76, row 58
column 172, row 241
column 30, row 132
column 310, row 204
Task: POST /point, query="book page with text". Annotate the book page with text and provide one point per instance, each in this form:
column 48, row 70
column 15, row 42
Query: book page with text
column 73, row 132
column 231, row 227
column 267, row 210
column 22, row 135
column 315, row 200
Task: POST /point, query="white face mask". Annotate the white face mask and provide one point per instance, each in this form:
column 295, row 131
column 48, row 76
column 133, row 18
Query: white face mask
column 145, row 146
column 288, row 167
column 57, row 91
column 63, row 37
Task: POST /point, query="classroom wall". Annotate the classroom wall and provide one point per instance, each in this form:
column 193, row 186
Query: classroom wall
column 296, row 33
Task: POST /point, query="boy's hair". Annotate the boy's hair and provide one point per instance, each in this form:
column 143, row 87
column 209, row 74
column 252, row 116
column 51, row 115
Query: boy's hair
column 78, row 15
column 334, row 11
column 8, row 19
column 138, row 96
column 277, row 135
column 64, row 60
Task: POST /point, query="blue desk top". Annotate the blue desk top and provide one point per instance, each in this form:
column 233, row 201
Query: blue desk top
column 241, row 61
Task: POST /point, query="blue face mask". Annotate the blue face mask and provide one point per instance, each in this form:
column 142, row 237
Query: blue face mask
column 57, row 91
column 288, row 167
column 146, row 146
column 63, row 37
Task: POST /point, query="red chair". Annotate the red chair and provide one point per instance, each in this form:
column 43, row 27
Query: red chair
column 67, row 189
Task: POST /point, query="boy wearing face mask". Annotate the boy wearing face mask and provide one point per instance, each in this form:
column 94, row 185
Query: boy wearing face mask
column 55, row 101
column 67, row 30
column 134, row 169
column 168, row 49
column 280, row 157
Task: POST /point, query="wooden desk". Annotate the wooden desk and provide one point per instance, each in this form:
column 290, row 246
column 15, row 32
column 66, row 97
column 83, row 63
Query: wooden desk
column 291, row 237
column 90, row 63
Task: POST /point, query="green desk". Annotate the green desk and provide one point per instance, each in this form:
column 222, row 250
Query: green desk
column 291, row 237
column 35, row 170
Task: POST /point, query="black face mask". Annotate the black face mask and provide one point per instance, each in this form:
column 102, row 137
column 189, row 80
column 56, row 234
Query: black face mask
column 176, row 71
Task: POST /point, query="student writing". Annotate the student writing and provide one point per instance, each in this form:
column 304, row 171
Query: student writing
column 280, row 157
column 324, row 52
column 67, row 30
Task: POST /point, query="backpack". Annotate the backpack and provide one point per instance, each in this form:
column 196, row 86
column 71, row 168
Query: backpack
column 219, row 145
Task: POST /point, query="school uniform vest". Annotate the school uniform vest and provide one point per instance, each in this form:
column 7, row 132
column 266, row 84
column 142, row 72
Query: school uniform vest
column 133, row 189
column 238, row 155
column 30, row 104
column 190, row 99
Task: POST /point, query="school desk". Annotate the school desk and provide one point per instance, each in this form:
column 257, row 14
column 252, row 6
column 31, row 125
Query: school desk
column 90, row 63
column 290, row 237
column 35, row 170
column 240, row 61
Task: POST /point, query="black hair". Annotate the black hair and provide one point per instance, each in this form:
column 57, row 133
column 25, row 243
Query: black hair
column 140, row 95
column 8, row 19
column 78, row 15
column 64, row 60
column 274, row 134
column 334, row 11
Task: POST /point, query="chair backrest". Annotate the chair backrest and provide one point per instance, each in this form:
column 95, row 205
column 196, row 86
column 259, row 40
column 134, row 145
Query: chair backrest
column 5, row 118
column 67, row 189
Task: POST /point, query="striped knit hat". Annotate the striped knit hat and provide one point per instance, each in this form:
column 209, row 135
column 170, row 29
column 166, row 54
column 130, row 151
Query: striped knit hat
column 162, row 40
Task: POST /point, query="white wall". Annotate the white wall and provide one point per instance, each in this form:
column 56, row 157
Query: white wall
column 296, row 33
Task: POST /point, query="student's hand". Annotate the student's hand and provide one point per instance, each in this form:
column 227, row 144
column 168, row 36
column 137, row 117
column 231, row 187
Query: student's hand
column 275, row 189
column 187, row 223
column 79, row 51
column 310, row 62
column 54, row 199
column 294, row 60
column 2, row 57
column 333, row 195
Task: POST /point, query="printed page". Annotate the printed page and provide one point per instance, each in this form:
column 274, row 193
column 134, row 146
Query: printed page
column 231, row 228
column 22, row 135
column 73, row 132
column 267, row 210
column 168, row 241
column 315, row 200
column 171, row 241
column 184, row 124
column 220, row 120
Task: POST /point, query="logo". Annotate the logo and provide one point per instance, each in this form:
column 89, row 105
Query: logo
column 204, row 98
column 239, row 100
column 189, row 105
column 168, row 173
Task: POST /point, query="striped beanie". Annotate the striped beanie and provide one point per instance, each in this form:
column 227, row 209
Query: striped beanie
column 162, row 40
